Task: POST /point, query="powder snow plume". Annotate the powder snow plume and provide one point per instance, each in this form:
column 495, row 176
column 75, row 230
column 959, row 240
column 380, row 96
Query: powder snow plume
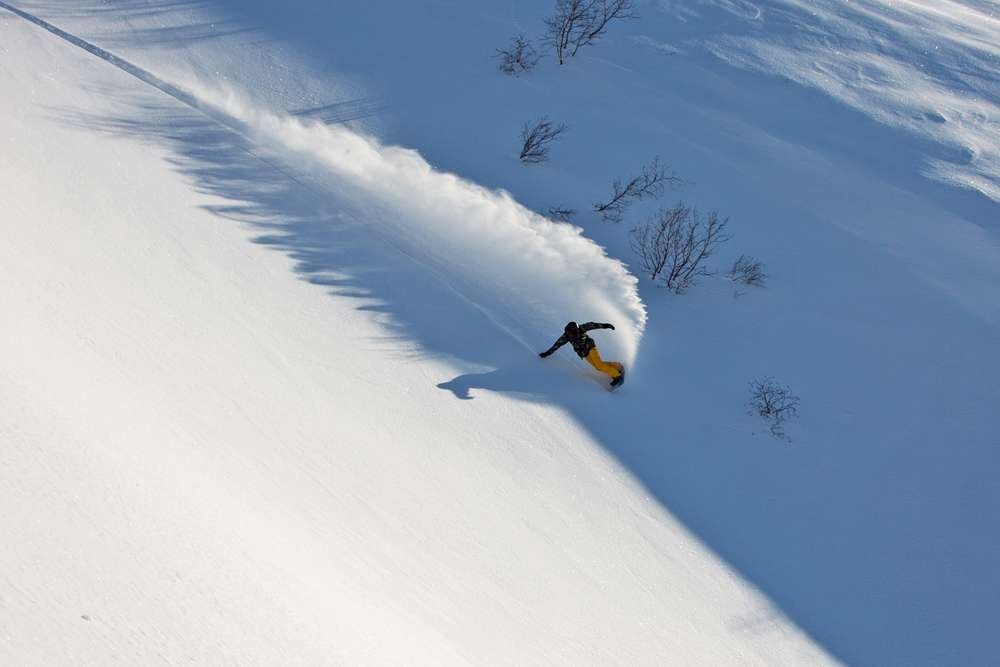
column 527, row 273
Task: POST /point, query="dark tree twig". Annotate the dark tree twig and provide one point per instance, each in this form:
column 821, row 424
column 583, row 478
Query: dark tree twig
column 560, row 213
column 519, row 56
column 673, row 246
column 577, row 23
column 650, row 182
column 537, row 139
column 748, row 271
column 773, row 402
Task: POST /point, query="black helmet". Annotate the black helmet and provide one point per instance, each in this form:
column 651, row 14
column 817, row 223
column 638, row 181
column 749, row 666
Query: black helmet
column 570, row 329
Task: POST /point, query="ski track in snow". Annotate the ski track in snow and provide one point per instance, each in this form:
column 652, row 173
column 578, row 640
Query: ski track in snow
column 525, row 273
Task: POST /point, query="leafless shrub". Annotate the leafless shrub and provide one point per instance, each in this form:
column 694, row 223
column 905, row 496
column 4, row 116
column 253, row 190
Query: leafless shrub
column 773, row 402
column 577, row 23
column 560, row 213
column 650, row 182
column 537, row 140
column 519, row 56
column 748, row 271
column 673, row 246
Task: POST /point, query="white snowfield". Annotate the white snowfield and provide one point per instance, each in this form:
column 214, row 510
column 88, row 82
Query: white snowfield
column 207, row 459
column 271, row 289
column 927, row 66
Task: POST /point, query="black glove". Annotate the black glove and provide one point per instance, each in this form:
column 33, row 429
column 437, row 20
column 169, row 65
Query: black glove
column 543, row 354
column 611, row 326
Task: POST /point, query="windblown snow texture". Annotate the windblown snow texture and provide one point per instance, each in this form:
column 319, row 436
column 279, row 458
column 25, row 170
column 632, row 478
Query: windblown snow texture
column 928, row 67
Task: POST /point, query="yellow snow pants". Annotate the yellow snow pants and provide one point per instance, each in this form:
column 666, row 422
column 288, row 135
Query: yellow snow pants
column 612, row 368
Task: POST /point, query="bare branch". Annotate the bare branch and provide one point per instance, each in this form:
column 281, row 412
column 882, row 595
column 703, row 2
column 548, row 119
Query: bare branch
column 773, row 402
column 561, row 213
column 537, row 140
column 603, row 13
column 748, row 271
column 519, row 56
column 673, row 246
column 577, row 23
column 650, row 182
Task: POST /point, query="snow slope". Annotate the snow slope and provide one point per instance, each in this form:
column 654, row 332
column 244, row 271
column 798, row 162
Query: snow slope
column 926, row 67
column 241, row 455
column 207, row 459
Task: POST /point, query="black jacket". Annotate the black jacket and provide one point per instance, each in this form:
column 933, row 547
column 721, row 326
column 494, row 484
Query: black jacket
column 582, row 343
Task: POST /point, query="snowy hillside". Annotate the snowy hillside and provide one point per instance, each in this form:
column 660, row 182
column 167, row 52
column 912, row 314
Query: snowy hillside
column 274, row 280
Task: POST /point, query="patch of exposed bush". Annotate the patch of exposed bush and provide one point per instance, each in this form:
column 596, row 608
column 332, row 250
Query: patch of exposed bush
column 774, row 403
column 518, row 57
column 537, row 139
column 650, row 182
column 748, row 271
column 561, row 213
column 674, row 245
column 577, row 23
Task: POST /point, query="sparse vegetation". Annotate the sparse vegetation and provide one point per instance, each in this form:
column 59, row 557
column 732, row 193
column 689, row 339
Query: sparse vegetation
column 651, row 181
column 774, row 403
column 561, row 213
column 537, row 140
column 518, row 57
column 577, row 23
column 673, row 246
column 748, row 271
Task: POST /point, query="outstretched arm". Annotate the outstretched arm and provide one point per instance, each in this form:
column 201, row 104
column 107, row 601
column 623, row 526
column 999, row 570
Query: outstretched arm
column 555, row 346
column 590, row 326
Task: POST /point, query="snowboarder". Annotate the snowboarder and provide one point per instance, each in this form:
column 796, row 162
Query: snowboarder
column 586, row 348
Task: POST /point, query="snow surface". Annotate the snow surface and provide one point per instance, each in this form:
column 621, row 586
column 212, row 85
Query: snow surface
column 241, row 338
column 927, row 67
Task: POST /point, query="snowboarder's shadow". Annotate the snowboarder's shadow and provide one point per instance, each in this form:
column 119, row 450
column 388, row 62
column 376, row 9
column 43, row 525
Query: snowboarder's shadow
column 520, row 382
column 499, row 380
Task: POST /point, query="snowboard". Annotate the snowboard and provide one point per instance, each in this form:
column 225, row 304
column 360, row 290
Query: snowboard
column 620, row 380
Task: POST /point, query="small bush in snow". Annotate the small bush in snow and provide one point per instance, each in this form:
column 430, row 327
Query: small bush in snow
column 774, row 403
column 673, row 246
column 560, row 213
column 537, row 140
column 748, row 271
column 519, row 56
column 577, row 23
column 651, row 181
